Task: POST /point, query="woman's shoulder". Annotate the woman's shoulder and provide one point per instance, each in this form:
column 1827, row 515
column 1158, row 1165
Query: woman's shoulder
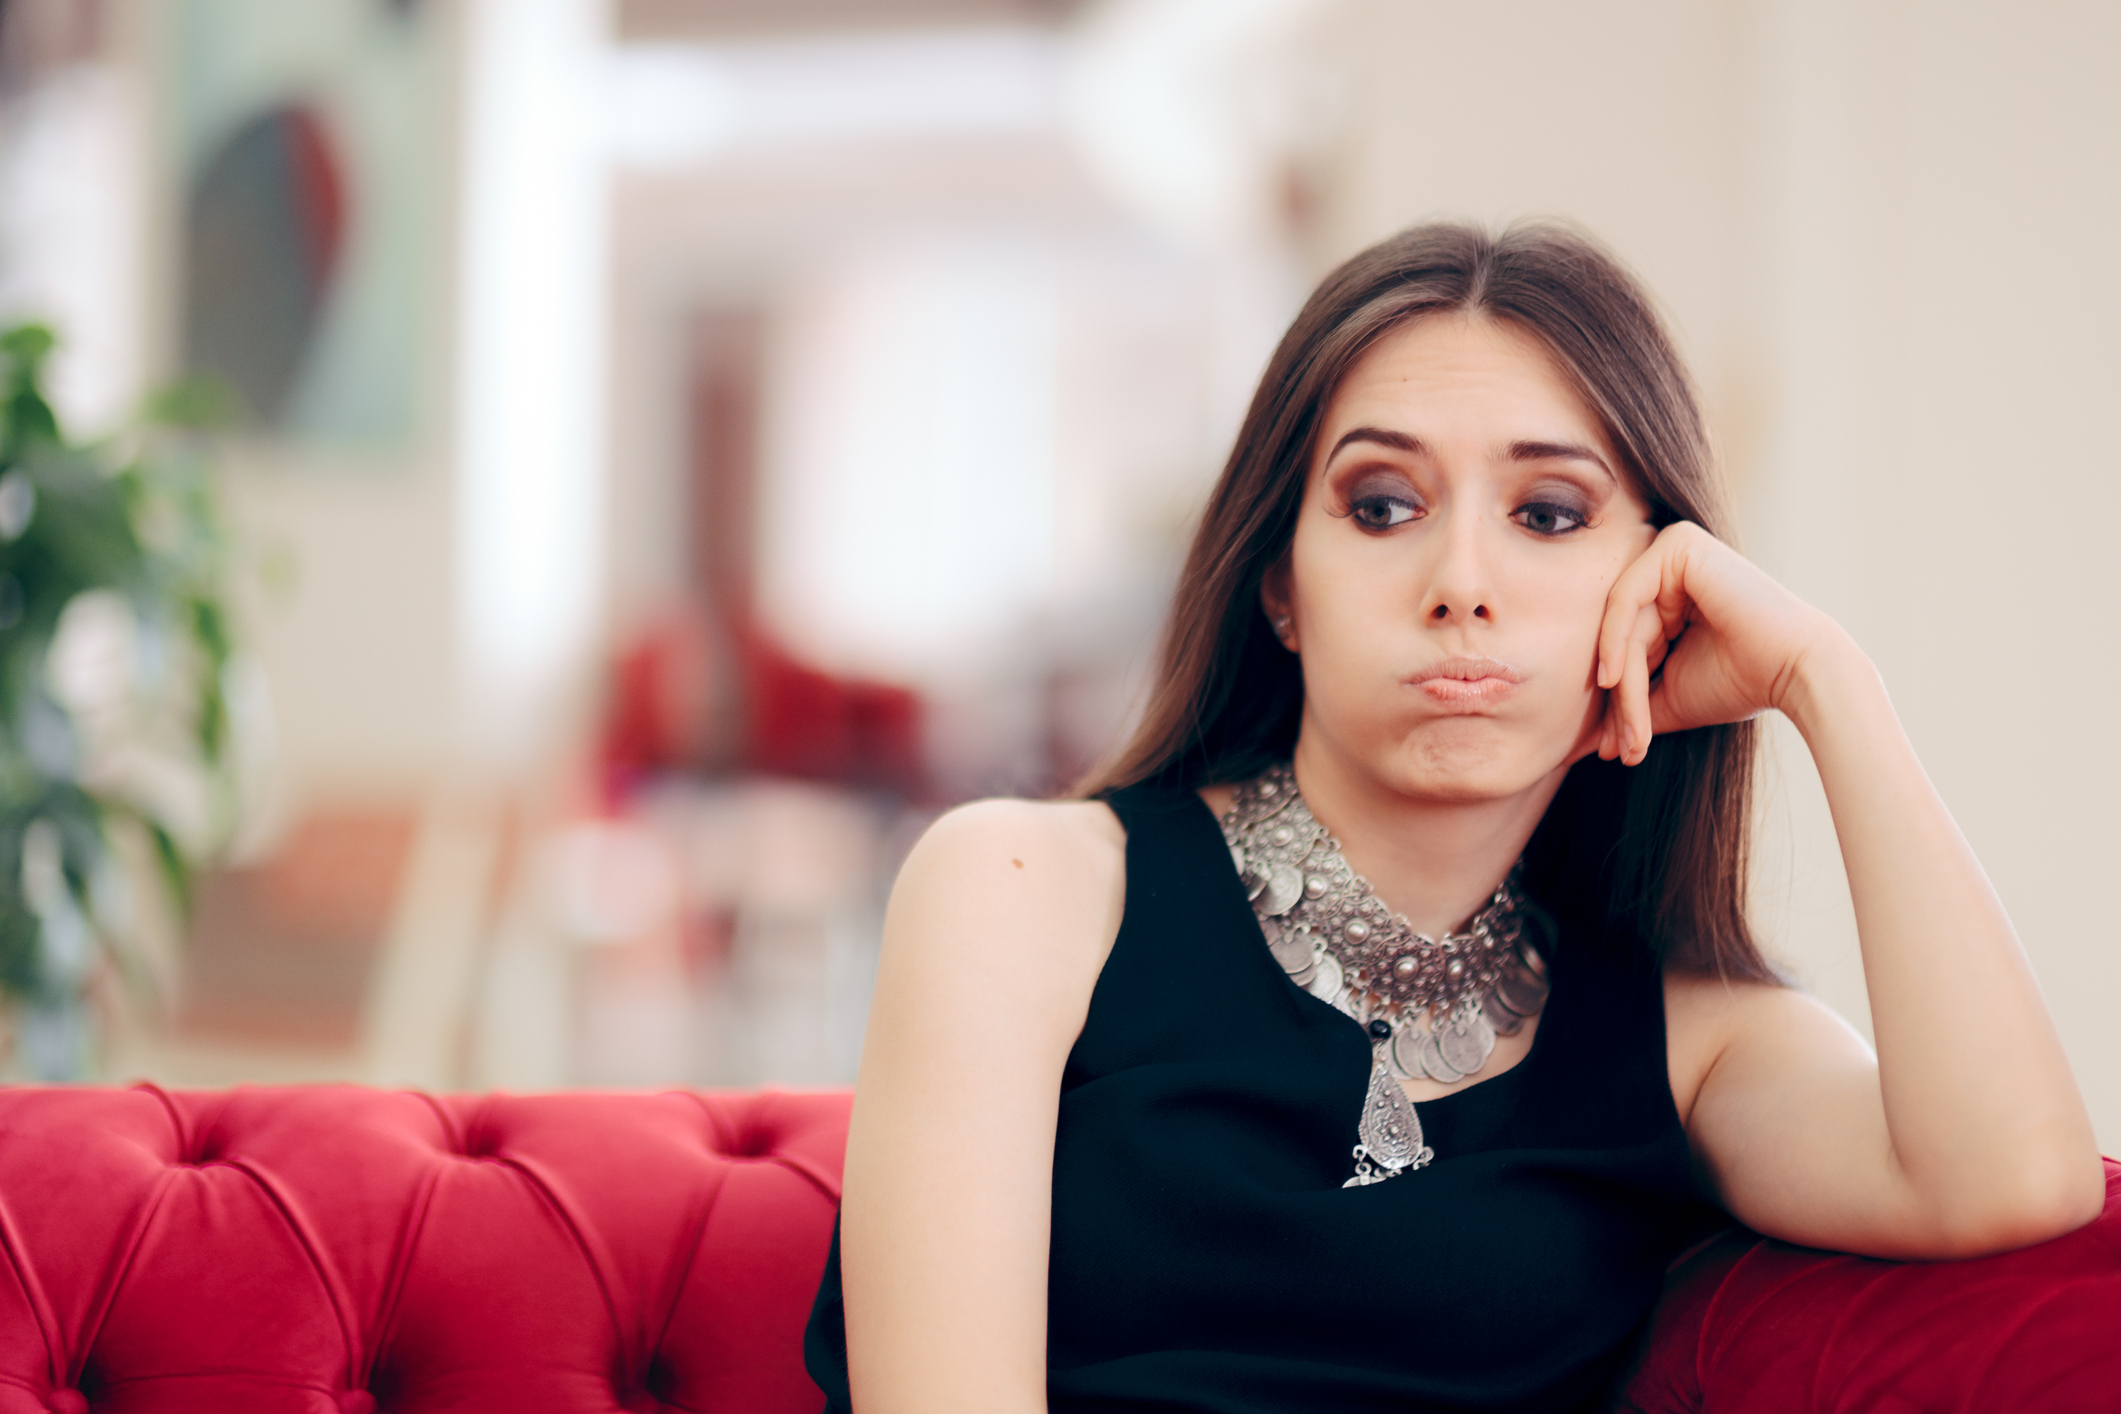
column 1025, row 836
column 1025, row 895
column 1708, row 1016
column 1704, row 1002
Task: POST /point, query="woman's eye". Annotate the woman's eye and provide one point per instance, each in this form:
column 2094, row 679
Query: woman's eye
column 1381, row 512
column 1550, row 518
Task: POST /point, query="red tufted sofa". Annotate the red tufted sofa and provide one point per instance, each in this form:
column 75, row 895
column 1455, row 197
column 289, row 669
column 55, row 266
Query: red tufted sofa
column 335, row 1250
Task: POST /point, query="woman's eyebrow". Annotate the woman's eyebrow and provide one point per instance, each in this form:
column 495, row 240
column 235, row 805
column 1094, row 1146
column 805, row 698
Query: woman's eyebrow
column 1383, row 436
column 1520, row 451
column 1559, row 451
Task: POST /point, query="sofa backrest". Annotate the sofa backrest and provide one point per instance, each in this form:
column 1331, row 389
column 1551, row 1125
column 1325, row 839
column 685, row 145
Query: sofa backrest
column 334, row 1250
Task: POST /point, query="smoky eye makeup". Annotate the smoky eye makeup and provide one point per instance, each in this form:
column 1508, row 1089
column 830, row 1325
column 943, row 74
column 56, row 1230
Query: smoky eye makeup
column 1375, row 498
column 1552, row 505
column 1551, row 519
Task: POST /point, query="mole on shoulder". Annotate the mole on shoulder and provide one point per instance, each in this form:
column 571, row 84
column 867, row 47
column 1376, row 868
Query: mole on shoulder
column 1017, row 862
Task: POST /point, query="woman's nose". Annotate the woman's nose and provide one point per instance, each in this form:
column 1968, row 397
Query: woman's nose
column 1459, row 589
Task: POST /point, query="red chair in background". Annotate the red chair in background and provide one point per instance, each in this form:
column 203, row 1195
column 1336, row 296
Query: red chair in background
column 767, row 713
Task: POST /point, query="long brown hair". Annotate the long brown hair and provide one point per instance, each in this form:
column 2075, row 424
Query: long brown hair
column 1654, row 854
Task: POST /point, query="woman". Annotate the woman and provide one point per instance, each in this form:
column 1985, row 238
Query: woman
column 1385, row 1017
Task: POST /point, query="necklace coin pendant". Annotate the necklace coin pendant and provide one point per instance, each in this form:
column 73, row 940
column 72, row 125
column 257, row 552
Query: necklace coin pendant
column 1284, row 886
column 1327, row 985
column 1521, row 994
column 1433, row 1063
column 1406, row 1050
column 1465, row 1043
column 1293, row 950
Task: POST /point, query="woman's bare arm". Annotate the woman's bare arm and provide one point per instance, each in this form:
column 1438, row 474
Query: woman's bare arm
column 998, row 927
column 1966, row 1134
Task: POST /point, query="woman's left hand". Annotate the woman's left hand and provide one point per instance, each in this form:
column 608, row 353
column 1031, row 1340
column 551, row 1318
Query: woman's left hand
column 1804, row 1134
column 1728, row 638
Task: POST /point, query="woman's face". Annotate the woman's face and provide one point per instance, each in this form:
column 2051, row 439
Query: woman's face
column 1463, row 519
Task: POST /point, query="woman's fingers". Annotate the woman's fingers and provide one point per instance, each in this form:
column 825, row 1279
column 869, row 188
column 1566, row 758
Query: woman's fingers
column 1636, row 589
column 1625, row 731
column 1675, row 600
column 1647, row 609
column 1741, row 631
column 1635, row 686
column 1664, row 717
column 1609, row 728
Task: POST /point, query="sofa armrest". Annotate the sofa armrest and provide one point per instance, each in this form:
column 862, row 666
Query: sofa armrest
column 1750, row 1326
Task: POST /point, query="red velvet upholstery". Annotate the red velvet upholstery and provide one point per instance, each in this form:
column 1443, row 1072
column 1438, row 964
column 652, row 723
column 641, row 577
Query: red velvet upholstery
column 334, row 1250
column 1753, row 1327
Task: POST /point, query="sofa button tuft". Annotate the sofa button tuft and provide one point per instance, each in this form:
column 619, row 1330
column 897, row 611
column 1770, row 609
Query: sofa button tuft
column 357, row 1401
column 753, row 1143
column 67, row 1401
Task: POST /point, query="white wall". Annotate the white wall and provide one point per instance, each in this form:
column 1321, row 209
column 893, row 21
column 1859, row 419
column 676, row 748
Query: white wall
column 1886, row 234
column 1938, row 209
column 351, row 620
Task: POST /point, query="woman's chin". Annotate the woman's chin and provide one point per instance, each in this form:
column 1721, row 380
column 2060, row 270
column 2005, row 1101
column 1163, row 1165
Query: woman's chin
column 1466, row 768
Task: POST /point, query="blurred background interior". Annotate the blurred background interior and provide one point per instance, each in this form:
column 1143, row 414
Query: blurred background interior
column 686, row 444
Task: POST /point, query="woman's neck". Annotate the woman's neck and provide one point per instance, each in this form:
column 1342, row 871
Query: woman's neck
column 1433, row 862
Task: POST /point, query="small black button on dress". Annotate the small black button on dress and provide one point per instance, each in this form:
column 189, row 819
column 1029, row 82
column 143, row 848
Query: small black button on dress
column 1206, row 1258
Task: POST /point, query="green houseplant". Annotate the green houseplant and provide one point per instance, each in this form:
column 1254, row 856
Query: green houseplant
column 114, row 647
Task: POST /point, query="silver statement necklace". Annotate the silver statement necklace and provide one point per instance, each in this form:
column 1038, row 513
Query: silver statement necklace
column 1432, row 1006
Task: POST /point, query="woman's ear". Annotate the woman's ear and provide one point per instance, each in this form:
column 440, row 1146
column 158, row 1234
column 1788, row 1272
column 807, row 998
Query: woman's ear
column 1276, row 602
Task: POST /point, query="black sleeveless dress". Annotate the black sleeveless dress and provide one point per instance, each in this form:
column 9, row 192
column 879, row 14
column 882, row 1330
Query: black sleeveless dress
column 1205, row 1257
